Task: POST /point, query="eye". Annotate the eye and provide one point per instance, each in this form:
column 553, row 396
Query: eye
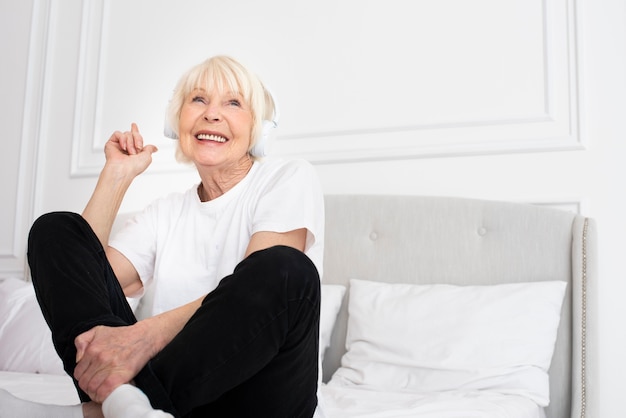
column 234, row 102
column 198, row 99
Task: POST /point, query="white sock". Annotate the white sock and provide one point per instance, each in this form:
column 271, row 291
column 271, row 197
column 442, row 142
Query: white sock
column 14, row 407
column 128, row 401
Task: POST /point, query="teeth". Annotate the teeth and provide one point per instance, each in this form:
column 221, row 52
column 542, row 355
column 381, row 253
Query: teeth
column 207, row 137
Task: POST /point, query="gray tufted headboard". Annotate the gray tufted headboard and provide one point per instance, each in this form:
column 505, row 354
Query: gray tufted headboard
column 415, row 239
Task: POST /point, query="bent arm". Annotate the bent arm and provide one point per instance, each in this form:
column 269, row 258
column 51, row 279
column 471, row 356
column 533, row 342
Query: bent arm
column 265, row 239
column 165, row 326
column 105, row 201
column 126, row 158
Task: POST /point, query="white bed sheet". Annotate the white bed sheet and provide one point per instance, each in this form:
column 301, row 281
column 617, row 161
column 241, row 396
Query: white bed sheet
column 44, row 388
column 349, row 402
column 338, row 402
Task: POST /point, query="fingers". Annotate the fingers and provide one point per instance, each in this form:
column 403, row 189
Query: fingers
column 130, row 142
column 137, row 139
column 99, row 381
column 81, row 342
column 82, row 364
column 96, row 371
column 150, row 149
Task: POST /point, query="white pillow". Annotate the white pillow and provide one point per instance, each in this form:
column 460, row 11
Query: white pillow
column 404, row 337
column 26, row 342
column 331, row 299
column 25, row 339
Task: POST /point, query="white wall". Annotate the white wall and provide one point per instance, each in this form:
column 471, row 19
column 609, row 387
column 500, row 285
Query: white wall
column 16, row 161
column 500, row 99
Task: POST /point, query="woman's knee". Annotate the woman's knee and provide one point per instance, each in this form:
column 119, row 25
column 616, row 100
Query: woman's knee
column 285, row 260
column 51, row 225
column 282, row 264
column 57, row 234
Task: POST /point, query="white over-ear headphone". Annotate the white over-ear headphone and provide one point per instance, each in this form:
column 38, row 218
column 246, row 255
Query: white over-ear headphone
column 263, row 140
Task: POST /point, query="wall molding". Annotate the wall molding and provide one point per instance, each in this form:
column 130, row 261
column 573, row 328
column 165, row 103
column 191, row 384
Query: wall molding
column 568, row 205
column 13, row 263
column 87, row 156
column 555, row 127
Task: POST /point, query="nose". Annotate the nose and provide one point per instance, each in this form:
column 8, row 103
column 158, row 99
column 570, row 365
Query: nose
column 212, row 113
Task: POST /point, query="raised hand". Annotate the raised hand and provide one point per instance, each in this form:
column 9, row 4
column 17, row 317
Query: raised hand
column 127, row 150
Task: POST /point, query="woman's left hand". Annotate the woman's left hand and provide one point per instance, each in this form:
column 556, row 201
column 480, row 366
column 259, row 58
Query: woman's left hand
column 108, row 357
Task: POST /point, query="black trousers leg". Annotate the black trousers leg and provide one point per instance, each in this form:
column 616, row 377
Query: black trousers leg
column 250, row 350
column 76, row 288
column 73, row 282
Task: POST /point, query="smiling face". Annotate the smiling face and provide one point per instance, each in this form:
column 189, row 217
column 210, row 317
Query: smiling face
column 212, row 99
column 215, row 128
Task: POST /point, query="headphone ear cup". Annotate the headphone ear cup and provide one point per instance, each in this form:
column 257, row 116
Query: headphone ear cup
column 168, row 132
column 261, row 146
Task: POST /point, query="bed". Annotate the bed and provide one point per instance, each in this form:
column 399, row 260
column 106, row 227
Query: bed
column 515, row 336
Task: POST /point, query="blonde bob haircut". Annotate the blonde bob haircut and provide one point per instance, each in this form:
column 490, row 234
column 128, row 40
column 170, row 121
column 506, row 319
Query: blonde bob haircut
column 222, row 73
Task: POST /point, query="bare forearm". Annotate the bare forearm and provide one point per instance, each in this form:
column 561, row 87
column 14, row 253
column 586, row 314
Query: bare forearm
column 105, row 202
column 126, row 158
column 164, row 327
column 107, row 357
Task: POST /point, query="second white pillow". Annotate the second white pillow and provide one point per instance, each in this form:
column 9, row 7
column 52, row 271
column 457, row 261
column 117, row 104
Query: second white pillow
column 404, row 337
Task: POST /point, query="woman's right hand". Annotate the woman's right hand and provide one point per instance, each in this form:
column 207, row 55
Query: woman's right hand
column 126, row 150
column 107, row 357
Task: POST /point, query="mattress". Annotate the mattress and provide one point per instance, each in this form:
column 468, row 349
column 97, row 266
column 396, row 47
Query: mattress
column 337, row 402
column 44, row 388
column 352, row 402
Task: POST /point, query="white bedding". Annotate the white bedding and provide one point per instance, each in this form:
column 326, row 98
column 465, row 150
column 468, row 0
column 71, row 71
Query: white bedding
column 346, row 402
column 44, row 388
column 339, row 402
column 28, row 352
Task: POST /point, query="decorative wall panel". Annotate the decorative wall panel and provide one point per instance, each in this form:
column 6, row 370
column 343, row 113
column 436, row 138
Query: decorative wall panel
column 24, row 48
column 355, row 80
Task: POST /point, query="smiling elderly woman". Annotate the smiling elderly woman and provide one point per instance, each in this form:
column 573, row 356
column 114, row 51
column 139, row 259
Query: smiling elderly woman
column 234, row 262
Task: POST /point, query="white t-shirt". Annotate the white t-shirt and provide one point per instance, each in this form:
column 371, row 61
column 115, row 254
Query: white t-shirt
column 184, row 247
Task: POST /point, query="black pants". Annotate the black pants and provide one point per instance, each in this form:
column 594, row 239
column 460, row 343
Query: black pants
column 250, row 350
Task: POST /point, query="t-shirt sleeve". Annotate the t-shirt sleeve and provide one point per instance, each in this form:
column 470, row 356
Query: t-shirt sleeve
column 291, row 199
column 137, row 242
